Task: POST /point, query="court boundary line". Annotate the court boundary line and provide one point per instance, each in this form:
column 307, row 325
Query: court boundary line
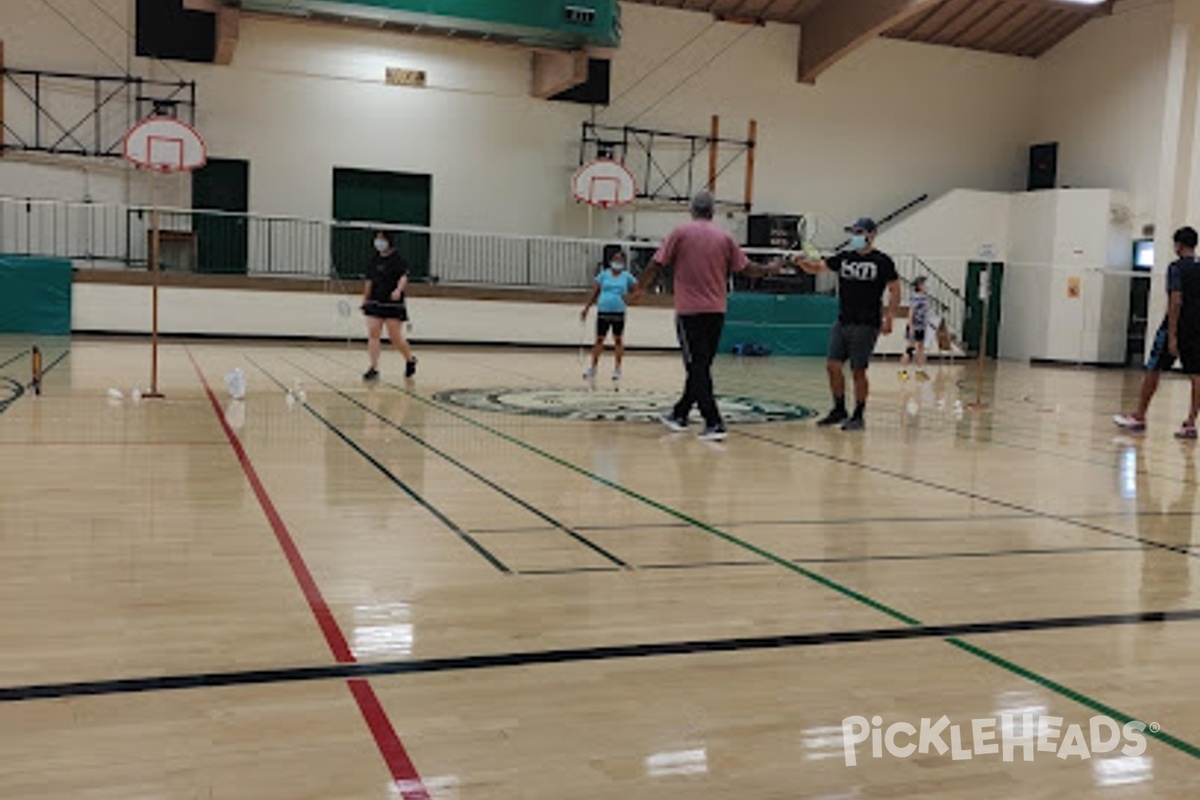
column 886, row 558
column 524, row 504
column 1045, row 682
column 404, row 774
column 437, row 513
column 968, row 494
column 556, row 657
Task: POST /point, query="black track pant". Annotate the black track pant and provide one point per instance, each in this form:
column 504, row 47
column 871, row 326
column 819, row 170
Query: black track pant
column 699, row 337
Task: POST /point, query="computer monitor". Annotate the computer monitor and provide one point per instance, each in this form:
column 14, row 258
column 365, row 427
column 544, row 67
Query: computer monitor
column 1143, row 255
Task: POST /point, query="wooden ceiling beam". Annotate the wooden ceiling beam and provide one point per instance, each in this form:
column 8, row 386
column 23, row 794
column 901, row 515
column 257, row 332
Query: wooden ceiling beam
column 836, row 29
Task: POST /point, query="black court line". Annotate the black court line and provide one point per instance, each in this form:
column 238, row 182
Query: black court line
column 537, row 512
column 391, row 476
column 211, row 680
column 768, row 523
column 1049, row 551
column 1178, row 549
column 20, row 389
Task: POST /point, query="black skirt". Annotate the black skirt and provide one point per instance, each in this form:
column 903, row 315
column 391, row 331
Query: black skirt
column 389, row 310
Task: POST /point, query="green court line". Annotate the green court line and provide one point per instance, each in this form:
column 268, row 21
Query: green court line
column 532, row 509
column 413, row 493
column 1009, row 666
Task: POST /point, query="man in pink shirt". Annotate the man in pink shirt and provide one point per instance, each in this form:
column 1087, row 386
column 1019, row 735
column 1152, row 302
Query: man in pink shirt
column 703, row 256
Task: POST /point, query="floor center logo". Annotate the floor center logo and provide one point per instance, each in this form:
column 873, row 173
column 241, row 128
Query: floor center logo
column 623, row 406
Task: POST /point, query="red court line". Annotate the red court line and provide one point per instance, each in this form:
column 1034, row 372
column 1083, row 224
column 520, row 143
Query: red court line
column 404, row 773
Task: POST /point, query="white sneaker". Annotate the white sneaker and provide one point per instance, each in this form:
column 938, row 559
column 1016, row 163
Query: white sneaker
column 616, row 374
column 1129, row 422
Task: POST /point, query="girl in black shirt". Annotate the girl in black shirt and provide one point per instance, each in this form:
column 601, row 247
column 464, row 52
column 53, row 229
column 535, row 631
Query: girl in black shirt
column 383, row 304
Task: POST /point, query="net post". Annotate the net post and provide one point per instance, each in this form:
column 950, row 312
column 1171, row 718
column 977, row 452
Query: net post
column 35, row 357
column 155, row 241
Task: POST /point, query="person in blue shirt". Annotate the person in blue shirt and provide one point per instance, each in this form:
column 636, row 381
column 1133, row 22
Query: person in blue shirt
column 608, row 295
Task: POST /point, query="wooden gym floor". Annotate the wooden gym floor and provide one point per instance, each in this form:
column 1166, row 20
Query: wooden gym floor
column 378, row 594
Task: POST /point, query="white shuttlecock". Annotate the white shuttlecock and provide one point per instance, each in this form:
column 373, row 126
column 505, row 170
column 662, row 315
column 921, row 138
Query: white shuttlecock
column 236, row 383
column 115, row 394
column 136, row 394
column 303, row 396
column 913, row 407
column 941, row 405
column 290, row 399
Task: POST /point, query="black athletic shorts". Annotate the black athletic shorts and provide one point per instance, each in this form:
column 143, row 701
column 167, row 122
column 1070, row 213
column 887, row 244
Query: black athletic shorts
column 1189, row 358
column 915, row 336
column 607, row 322
column 389, row 310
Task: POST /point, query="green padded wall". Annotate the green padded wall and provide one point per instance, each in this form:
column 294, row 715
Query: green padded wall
column 35, row 295
column 788, row 325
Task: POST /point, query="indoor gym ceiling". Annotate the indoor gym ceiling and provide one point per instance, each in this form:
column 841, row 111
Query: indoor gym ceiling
column 1025, row 28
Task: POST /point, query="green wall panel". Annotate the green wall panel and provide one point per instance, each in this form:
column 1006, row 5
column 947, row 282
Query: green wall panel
column 35, row 295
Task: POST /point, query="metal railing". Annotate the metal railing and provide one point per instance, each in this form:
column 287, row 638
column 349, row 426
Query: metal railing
column 947, row 301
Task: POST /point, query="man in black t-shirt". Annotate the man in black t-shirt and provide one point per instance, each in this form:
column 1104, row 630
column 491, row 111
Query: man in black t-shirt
column 1162, row 355
column 863, row 274
column 1183, row 333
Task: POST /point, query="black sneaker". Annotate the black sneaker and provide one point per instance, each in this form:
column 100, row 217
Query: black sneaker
column 673, row 423
column 410, row 368
column 713, row 433
column 371, row 375
column 835, row 417
column 855, row 424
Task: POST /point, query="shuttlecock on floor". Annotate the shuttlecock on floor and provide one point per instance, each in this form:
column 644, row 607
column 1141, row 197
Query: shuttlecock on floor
column 912, row 407
column 136, row 394
column 115, row 394
column 236, row 383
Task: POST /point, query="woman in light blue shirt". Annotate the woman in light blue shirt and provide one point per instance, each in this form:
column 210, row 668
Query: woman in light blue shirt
column 608, row 295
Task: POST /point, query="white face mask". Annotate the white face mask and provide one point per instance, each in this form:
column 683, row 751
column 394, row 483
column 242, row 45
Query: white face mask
column 617, row 266
column 381, row 245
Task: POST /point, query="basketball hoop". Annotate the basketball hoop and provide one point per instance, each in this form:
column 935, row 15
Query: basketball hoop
column 604, row 184
column 164, row 145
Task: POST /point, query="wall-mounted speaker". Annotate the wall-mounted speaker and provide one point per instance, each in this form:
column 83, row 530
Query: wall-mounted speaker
column 596, row 90
column 167, row 30
column 1043, row 166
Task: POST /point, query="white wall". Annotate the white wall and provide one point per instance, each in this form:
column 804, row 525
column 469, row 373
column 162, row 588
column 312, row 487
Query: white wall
column 1058, row 237
column 953, row 230
column 890, row 122
column 1100, row 95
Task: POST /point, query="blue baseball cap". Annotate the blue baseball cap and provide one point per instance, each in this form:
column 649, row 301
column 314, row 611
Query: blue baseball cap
column 864, row 224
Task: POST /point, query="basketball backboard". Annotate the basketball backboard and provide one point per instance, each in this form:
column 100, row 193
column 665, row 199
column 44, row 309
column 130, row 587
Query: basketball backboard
column 165, row 144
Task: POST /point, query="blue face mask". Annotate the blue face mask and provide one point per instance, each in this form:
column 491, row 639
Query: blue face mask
column 858, row 242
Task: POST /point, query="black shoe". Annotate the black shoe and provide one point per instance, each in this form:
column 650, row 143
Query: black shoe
column 673, row 423
column 855, row 424
column 410, row 368
column 835, row 417
column 371, row 375
column 713, row 433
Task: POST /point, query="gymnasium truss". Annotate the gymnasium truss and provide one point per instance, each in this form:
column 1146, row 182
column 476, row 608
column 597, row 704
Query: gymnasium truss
column 67, row 113
column 669, row 166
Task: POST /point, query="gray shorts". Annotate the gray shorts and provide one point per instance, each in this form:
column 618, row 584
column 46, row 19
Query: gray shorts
column 853, row 343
